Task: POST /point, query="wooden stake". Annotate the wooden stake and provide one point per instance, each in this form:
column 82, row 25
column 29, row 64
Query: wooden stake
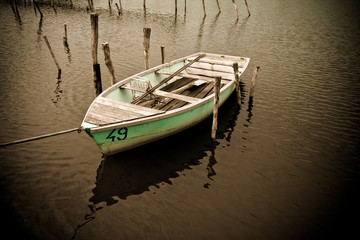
column 237, row 82
column 17, row 11
column 117, row 6
column 94, row 47
column 52, row 53
column 147, row 32
column 175, row 7
column 253, row 80
column 203, row 3
column 38, row 8
column 65, row 37
column 247, row 7
column 108, row 62
column 162, row 54
column 217, row 2
column 144, row 4
column 185, row 8
column 216, row 106
column 236, row 9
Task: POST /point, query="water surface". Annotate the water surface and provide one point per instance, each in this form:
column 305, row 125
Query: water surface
column 285, row 165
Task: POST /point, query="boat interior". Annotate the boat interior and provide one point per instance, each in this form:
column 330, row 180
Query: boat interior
column 191, row 85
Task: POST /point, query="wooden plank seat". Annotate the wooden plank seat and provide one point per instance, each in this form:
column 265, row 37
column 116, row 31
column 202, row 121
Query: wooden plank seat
column 105, row 111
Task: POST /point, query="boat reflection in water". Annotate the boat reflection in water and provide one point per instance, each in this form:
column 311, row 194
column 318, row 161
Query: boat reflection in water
column 134, row 171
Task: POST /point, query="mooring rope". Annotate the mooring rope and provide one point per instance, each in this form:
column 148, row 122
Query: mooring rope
column 40, row 137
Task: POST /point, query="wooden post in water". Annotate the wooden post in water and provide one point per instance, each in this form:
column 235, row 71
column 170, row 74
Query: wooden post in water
column 237, row 82
column 52, row 53
column 175, row 7
column 119, row 8
column 147, row 32
column 253, row 81
column 65, row 37
column 236, row 9
column 144, row 4
column 38, row 8
column 162, row 54
column 108, row 62
column 203, row 3
column 17, row 11
column 185, row 8
column 218, row 5
column 247, row 7
column 94, row 47
column 216, row 106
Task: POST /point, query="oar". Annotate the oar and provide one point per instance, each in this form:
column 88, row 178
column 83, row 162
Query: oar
column 137, row 100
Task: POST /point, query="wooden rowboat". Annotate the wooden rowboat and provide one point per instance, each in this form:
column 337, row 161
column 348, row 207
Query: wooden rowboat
column 161, row 101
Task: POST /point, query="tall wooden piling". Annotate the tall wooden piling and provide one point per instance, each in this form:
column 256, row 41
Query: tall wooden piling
column 237, row 82
column 108, row 62
column 247, row 7
column 253, row 81
column 162, row 54
column 147, row 32
column 144, row 4
column 52, row 54
column 236, row 10
column 216, row 106
column 94, row 48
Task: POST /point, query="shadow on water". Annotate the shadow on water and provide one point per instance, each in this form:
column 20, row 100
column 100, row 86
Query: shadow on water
column 133, row 172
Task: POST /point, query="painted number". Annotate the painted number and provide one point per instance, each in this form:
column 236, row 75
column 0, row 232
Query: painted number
column 120, row 134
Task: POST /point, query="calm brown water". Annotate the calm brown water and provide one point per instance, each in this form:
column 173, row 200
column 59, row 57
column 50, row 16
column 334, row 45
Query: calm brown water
column 284, row 167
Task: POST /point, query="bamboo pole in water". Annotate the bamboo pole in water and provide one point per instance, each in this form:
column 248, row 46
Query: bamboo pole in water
column 162, row 54
column 237, row 82
column 236, row 9
column 147, row 32
column 247, row 7
column 108, row 62
column 216, row 106
column 253, row 81
column 52, row 53
column 94, row 47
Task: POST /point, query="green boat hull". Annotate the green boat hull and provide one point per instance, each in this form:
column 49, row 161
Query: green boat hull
column 126, row 137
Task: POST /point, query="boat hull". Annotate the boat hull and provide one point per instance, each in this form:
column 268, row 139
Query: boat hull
column 124, row 137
